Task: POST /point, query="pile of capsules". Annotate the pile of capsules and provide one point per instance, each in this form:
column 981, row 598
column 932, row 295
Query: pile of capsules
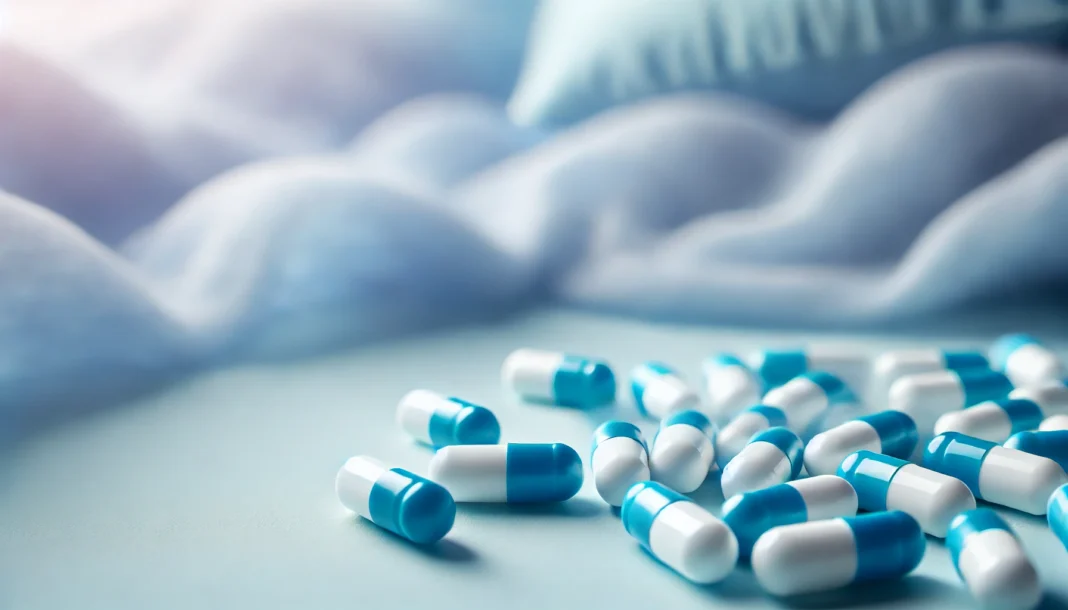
column 994, row 427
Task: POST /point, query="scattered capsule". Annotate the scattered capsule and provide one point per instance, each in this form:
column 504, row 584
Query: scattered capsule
column 888, row 432
column 887, row 483
column 1052, row 444
column 563, row 379
column 516, row 472
column 991, row 561
column 1054, row 422
column 825, row 555
column 1057, row 514
column 928, row 396
column 997, row 474
column 659, row 391
column 891, row 366
column 619, row 459
column 776, row 367
column 751, row 514
column 1051, row 396
column 731, row 386
column 994, row 420
column 1025, row 360
column 808, row 395
column 772, row 457
column 396, row 500
column 733, row 437
column 683, row 451
column 437, row 420
column 678, row 532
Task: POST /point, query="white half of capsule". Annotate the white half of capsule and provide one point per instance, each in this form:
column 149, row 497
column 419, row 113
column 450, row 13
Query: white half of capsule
column 417, row 407
column 1050, row 396
column 825, row 452
column 1033, row 364
column 1054, row 422
column 987, row 421
column 805, row 558
column 801, row 399
column 354, row 483
column 731, row 388
column 681, row 457
column 530, row 372
column 926, row 397
column 733, row 437
column 1019, row 480
column 617, row 464
column 929, row 497
column 998, row 572
column 693, row 542
column 826, row 497
column 891, row 366
column 478, row 473
column 759, row 466
column 667, row 394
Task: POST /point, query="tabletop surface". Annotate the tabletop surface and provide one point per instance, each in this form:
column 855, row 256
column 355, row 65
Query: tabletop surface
column 218, row 492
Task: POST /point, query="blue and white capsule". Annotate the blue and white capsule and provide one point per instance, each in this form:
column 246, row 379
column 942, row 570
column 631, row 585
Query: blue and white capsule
column 618, row 460
column 678, row 532
column 396, row 500
column 891, row 433
column 997, row 474
column 733, row 437
column 776, row 367
column 771, row 457
column 991, row 561
column 1051, row 396
column 891, row 366
column 514, row 473
column 731, row 386
column 683, row 452
column 1025, row 360
column 660, row 391
column 1057, row 514
column 558, row 378
column 1052, row 444
column 928, row 396
column 887, row 483
column 751, row 514
column 829, row 554
column 1054, row 422
column 994, row 420
column 437, row 420
column 805, row 397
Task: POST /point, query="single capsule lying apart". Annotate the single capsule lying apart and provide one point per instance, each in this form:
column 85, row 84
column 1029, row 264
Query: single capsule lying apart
column 1054, row 422
column 994, row 420
column 681, row 534
column 891, row 366
column 396, row 500
column 682, row 451
column 1057, row 514
column 439, row 421
column 516, row 472
column 806, row 396
column 1025, row 360
column 619, row 459
column 928, row 396
column 751, row 514
column 776, row 367
column 1052, row 444
column 731, row 386
column 997, row 474
column 891, row 433
column 733, row 437
column 563, row 379
column 772, row 457
column 991, row 561
column 825, row 555
column 886, row 483
column 659, row 391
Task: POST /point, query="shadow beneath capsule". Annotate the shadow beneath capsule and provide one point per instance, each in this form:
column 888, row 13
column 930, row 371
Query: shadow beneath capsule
column 1052, row 601
column 739, row 584
column 446, row 549
column 573, row 508
column 913, row 587
column 709, row 495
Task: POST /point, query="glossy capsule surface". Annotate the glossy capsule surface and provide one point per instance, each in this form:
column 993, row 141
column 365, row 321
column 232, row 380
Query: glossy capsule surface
column 559, row 378
column 776, row 367
column 771, row 457
column 805, row 397
column 683, row 451
column 731, row 386
column 994, row 420
column 1025, row 360
column 437, row 420
column 516, row 472
column 660, row 391
column 733, row 437
column 991, row 561
column 891, row 433
column 619, row 459
column 928, row 396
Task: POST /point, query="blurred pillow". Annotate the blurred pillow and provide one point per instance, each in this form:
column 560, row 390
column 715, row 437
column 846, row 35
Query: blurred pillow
column 810, row 57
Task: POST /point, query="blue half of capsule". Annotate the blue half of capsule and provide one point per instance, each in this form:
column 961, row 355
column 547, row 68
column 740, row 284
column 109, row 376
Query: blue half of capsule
column 1052, row 444
column 412, row 507
column 583, row 383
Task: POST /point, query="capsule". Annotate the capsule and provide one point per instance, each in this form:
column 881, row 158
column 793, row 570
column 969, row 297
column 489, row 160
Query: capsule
column 772, row 457
column 396, row 500
column 683, row 451
column 997, row 474
column 776, row 367
column 681, row 534
column 994, row 420
column 619, row 459
column 733, row 437
column 731, row 386
column 659, row 391
column 438, row 421
column 751, row 514
column 891, row 366
column 1051, row 396
column 516, row 472
column 1057, row 514
column 928, row 396
column 991, row 561
column 888, row 432
column 1052, row 444
column 807, row 396
column 825, row 555
column 1024, row 360
column 887, row 483
column 1054, row 422
column 563, row 379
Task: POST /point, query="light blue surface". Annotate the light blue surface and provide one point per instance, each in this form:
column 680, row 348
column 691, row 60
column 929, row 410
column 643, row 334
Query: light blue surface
column 218, row 493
